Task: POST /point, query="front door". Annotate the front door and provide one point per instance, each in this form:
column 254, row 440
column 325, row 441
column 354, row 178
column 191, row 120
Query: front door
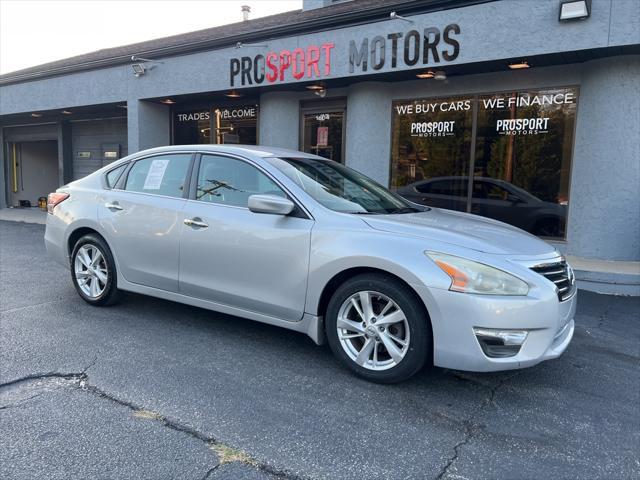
column 143, row 220
column 323, row 132
column 232, row 256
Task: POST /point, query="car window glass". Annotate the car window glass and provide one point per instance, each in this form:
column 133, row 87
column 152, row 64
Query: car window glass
column 424, row 187
column 457, row 188
column 488, row 190
column 441, row 187
column 479, row 190
column 495, row 192
column 113, row 175
column 229, row 181
column 160, row 175
column 340, row 188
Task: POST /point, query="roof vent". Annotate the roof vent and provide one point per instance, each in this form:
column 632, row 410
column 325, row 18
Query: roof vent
column 246, row 10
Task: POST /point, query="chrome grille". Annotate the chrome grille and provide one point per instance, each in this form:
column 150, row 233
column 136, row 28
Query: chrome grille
column 561, row 274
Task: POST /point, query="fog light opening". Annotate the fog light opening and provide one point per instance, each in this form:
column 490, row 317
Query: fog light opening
column 500, row 343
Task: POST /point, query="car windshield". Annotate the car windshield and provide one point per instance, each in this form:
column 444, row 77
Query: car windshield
column 342, row 189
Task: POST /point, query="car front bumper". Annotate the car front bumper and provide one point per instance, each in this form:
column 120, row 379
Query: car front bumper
column 549, row 324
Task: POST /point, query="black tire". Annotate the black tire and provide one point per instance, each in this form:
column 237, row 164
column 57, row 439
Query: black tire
column 420, row 343
column 110, row 294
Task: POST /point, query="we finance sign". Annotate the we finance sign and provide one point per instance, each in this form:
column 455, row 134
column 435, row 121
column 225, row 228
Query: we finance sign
column 398, row 50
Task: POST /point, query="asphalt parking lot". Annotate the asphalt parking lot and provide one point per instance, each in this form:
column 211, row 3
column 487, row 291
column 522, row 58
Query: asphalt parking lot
column 152, row 389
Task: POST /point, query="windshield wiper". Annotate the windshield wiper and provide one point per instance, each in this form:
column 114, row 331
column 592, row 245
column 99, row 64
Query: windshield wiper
column 407, row 210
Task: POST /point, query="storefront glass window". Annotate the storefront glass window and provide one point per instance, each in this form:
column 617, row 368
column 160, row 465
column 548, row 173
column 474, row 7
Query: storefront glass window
column 431, row 151
column 192, row 127
column 523, row 159
column 236, row 125
column 521, row 162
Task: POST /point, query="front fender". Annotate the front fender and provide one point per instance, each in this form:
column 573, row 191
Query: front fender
column 334, row 252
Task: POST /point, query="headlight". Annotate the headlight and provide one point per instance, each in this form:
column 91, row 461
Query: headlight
column 473, row 277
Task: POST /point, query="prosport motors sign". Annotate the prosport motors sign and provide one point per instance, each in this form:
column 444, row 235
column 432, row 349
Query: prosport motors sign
column 522, row 126
column 426, row 47
column 312, row 62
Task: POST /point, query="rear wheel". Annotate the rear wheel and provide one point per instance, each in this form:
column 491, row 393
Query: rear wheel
column 378, row 328
column 93, row 271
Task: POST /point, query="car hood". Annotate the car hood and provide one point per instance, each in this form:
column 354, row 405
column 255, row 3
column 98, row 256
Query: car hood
column 464, row 230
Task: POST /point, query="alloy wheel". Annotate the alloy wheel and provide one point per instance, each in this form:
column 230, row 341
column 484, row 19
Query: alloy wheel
column 90, row 268
column 373, row 330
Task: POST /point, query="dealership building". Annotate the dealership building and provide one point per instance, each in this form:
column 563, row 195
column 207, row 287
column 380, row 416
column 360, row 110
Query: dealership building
column 520, row 110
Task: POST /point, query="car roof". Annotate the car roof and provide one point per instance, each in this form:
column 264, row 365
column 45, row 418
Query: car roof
column 255, row 150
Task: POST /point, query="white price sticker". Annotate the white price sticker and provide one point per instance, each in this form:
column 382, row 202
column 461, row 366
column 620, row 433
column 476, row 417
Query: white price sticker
column 155, row 175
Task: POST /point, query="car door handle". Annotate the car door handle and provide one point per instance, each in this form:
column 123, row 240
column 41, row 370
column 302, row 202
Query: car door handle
column 113, row 206
column 195, row 222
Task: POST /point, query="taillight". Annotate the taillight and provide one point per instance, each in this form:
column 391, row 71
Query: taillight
column 54, row 199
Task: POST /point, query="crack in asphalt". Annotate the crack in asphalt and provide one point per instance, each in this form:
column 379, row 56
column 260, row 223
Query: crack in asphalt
column 80, row 381
column 471, row 427
column 211, row 471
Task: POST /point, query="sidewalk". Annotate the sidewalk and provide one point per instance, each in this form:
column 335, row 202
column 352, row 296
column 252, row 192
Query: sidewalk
column 26, row 215
column 605, row 276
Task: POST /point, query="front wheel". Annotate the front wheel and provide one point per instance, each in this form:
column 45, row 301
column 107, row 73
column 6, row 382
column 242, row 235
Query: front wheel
column 93, row 271
column 378, row 328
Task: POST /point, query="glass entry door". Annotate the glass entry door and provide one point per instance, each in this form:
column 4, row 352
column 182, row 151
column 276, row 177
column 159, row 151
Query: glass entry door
column 323, row 133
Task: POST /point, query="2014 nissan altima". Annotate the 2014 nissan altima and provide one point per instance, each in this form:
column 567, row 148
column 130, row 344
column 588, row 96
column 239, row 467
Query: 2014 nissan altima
column 305, row 243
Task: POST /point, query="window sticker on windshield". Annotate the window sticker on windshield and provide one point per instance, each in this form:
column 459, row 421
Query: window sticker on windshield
column 155, row 175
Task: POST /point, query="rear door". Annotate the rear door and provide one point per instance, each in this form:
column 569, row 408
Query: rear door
column 143, row 219
column 230, row 255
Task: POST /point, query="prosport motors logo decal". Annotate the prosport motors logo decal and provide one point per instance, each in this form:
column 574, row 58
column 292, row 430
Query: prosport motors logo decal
column 522, row 126
column 432, row 129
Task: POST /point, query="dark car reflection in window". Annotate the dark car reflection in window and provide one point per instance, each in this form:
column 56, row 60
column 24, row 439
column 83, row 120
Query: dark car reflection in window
column 491, row 198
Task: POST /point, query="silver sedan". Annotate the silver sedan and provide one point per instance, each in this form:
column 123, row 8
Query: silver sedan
column 305, row 243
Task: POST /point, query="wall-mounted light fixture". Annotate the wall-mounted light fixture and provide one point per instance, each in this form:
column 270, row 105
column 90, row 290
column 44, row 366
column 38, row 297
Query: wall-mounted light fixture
column 36, row 115
column 139, row 67
column 66, row 112
column 233, row 94
column 574, row 10
column 320, row 89
column 248, row 45
column 395, row 16
column 440, row 75
column 519, row 65
column 168, row 101
column 427, row 74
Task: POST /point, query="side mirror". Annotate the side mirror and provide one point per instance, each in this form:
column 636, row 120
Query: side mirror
column 272, row 204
